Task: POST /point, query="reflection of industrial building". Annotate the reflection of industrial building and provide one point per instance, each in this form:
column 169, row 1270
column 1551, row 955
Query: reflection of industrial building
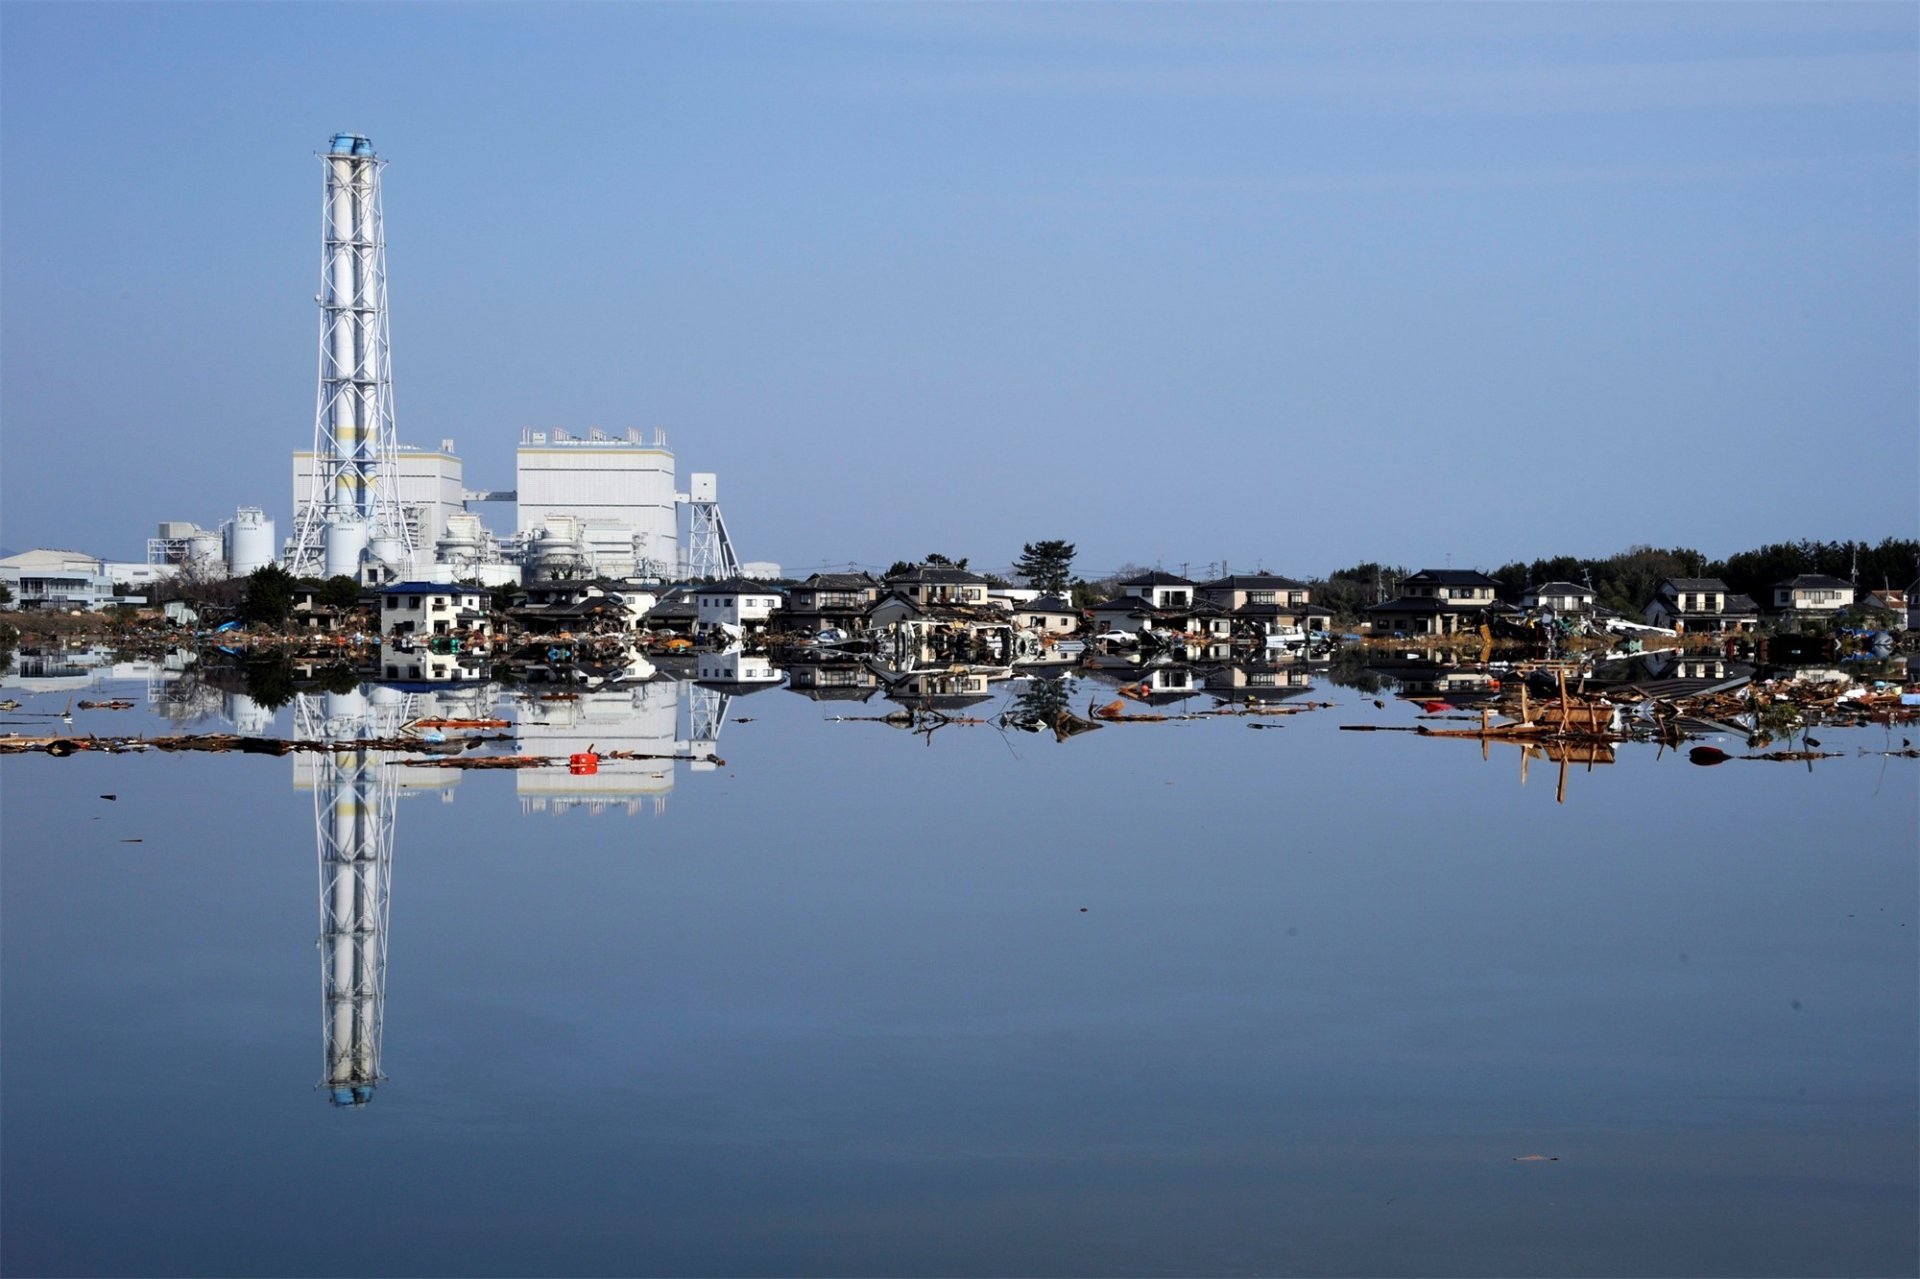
column 641, row 718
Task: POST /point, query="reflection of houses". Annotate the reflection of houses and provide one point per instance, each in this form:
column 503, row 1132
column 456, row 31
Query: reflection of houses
column 1256, row 682
column 738, row 602
column 433, row 608
column 947, row 688
column 829, row 601
column 1266, row 604
column 1158, row 685
column 1436, row 601
column 1812, row 595
column 1435, row 672
column 735, row 667
column 910, row 631
column 1689, row 666
column 414, row 663
column 1561, row 597
column 1700, row 604
column 833, row 681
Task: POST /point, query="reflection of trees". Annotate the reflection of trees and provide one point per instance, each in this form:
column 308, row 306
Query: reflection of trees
column 1043, row 705
column 1349, row 670
column 271, row 682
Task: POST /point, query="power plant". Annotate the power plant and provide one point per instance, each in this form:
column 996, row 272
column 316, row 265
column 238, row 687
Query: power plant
column 592, row 503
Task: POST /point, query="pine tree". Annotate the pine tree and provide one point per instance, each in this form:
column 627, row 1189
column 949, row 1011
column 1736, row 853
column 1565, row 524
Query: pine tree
column 1047, row 566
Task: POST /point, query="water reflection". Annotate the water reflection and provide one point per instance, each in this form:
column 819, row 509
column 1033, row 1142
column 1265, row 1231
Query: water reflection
column 353, row 817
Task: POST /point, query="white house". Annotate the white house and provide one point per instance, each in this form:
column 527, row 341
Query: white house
column 433, row 608
column 1812, row 593
column 738, row 601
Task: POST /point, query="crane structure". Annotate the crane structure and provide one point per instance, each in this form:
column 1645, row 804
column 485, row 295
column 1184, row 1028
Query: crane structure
column 353, row 816
column 352, row 510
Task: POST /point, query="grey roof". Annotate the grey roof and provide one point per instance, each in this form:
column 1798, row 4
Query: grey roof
column 838, row 582
column 1561, row 588
column 1253, row 582
column 1414, row 604
column 1046, row 604
column 738, row 586
column 1738, row 604
column 1812, row 581
column 1157, row 577
column 1695, row 584
column 1454, row 577
column 1125, row 603
column 934, row 573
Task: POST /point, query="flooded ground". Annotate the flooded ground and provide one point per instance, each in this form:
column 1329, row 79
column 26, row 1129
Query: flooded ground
column 1220, row 995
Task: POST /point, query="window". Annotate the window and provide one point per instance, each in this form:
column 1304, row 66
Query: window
column 413, row 601
column 1263, row 597
column 1296, row 597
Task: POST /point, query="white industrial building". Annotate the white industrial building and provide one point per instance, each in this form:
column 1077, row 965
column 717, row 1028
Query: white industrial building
column 66, row 580
column 427, row 482
column 618, row 492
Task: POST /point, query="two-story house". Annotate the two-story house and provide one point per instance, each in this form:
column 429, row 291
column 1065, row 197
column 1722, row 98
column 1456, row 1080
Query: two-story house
column 1437, row 601
column 1265, row 604
column 412, row 609
column 737, row 602
column 1700, row 604
column 1159, row 600
column 1812, row 595
column 938, row 584
column 828, row 601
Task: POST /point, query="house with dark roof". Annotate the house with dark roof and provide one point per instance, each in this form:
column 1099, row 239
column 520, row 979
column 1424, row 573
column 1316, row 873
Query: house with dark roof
column 828, row 601
column 938, row 584
column 1437, row 601
column 1812, row 595
column 550, row 606
column 1162, row 590
column 1265, row 604
column 434, row 608
column 1695, row 604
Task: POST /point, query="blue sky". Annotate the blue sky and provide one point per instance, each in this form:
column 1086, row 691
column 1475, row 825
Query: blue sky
column 1297, row 285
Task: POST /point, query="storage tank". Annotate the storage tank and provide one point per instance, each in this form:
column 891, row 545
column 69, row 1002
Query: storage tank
column 346, row 541
column 462, row 542
column 250, row 541
column 203, row 548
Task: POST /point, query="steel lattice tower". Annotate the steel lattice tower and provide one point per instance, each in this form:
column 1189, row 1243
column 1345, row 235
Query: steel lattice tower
column 353, row 503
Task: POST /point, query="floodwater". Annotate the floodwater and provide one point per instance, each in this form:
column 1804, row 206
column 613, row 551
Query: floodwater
column 1168, row 998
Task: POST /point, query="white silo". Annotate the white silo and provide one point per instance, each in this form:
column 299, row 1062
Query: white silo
column 250, row 541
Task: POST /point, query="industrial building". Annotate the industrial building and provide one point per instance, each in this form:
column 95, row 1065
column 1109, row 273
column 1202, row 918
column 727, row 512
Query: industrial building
column 619, row 492
column 48, row 578
column 428, row 484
